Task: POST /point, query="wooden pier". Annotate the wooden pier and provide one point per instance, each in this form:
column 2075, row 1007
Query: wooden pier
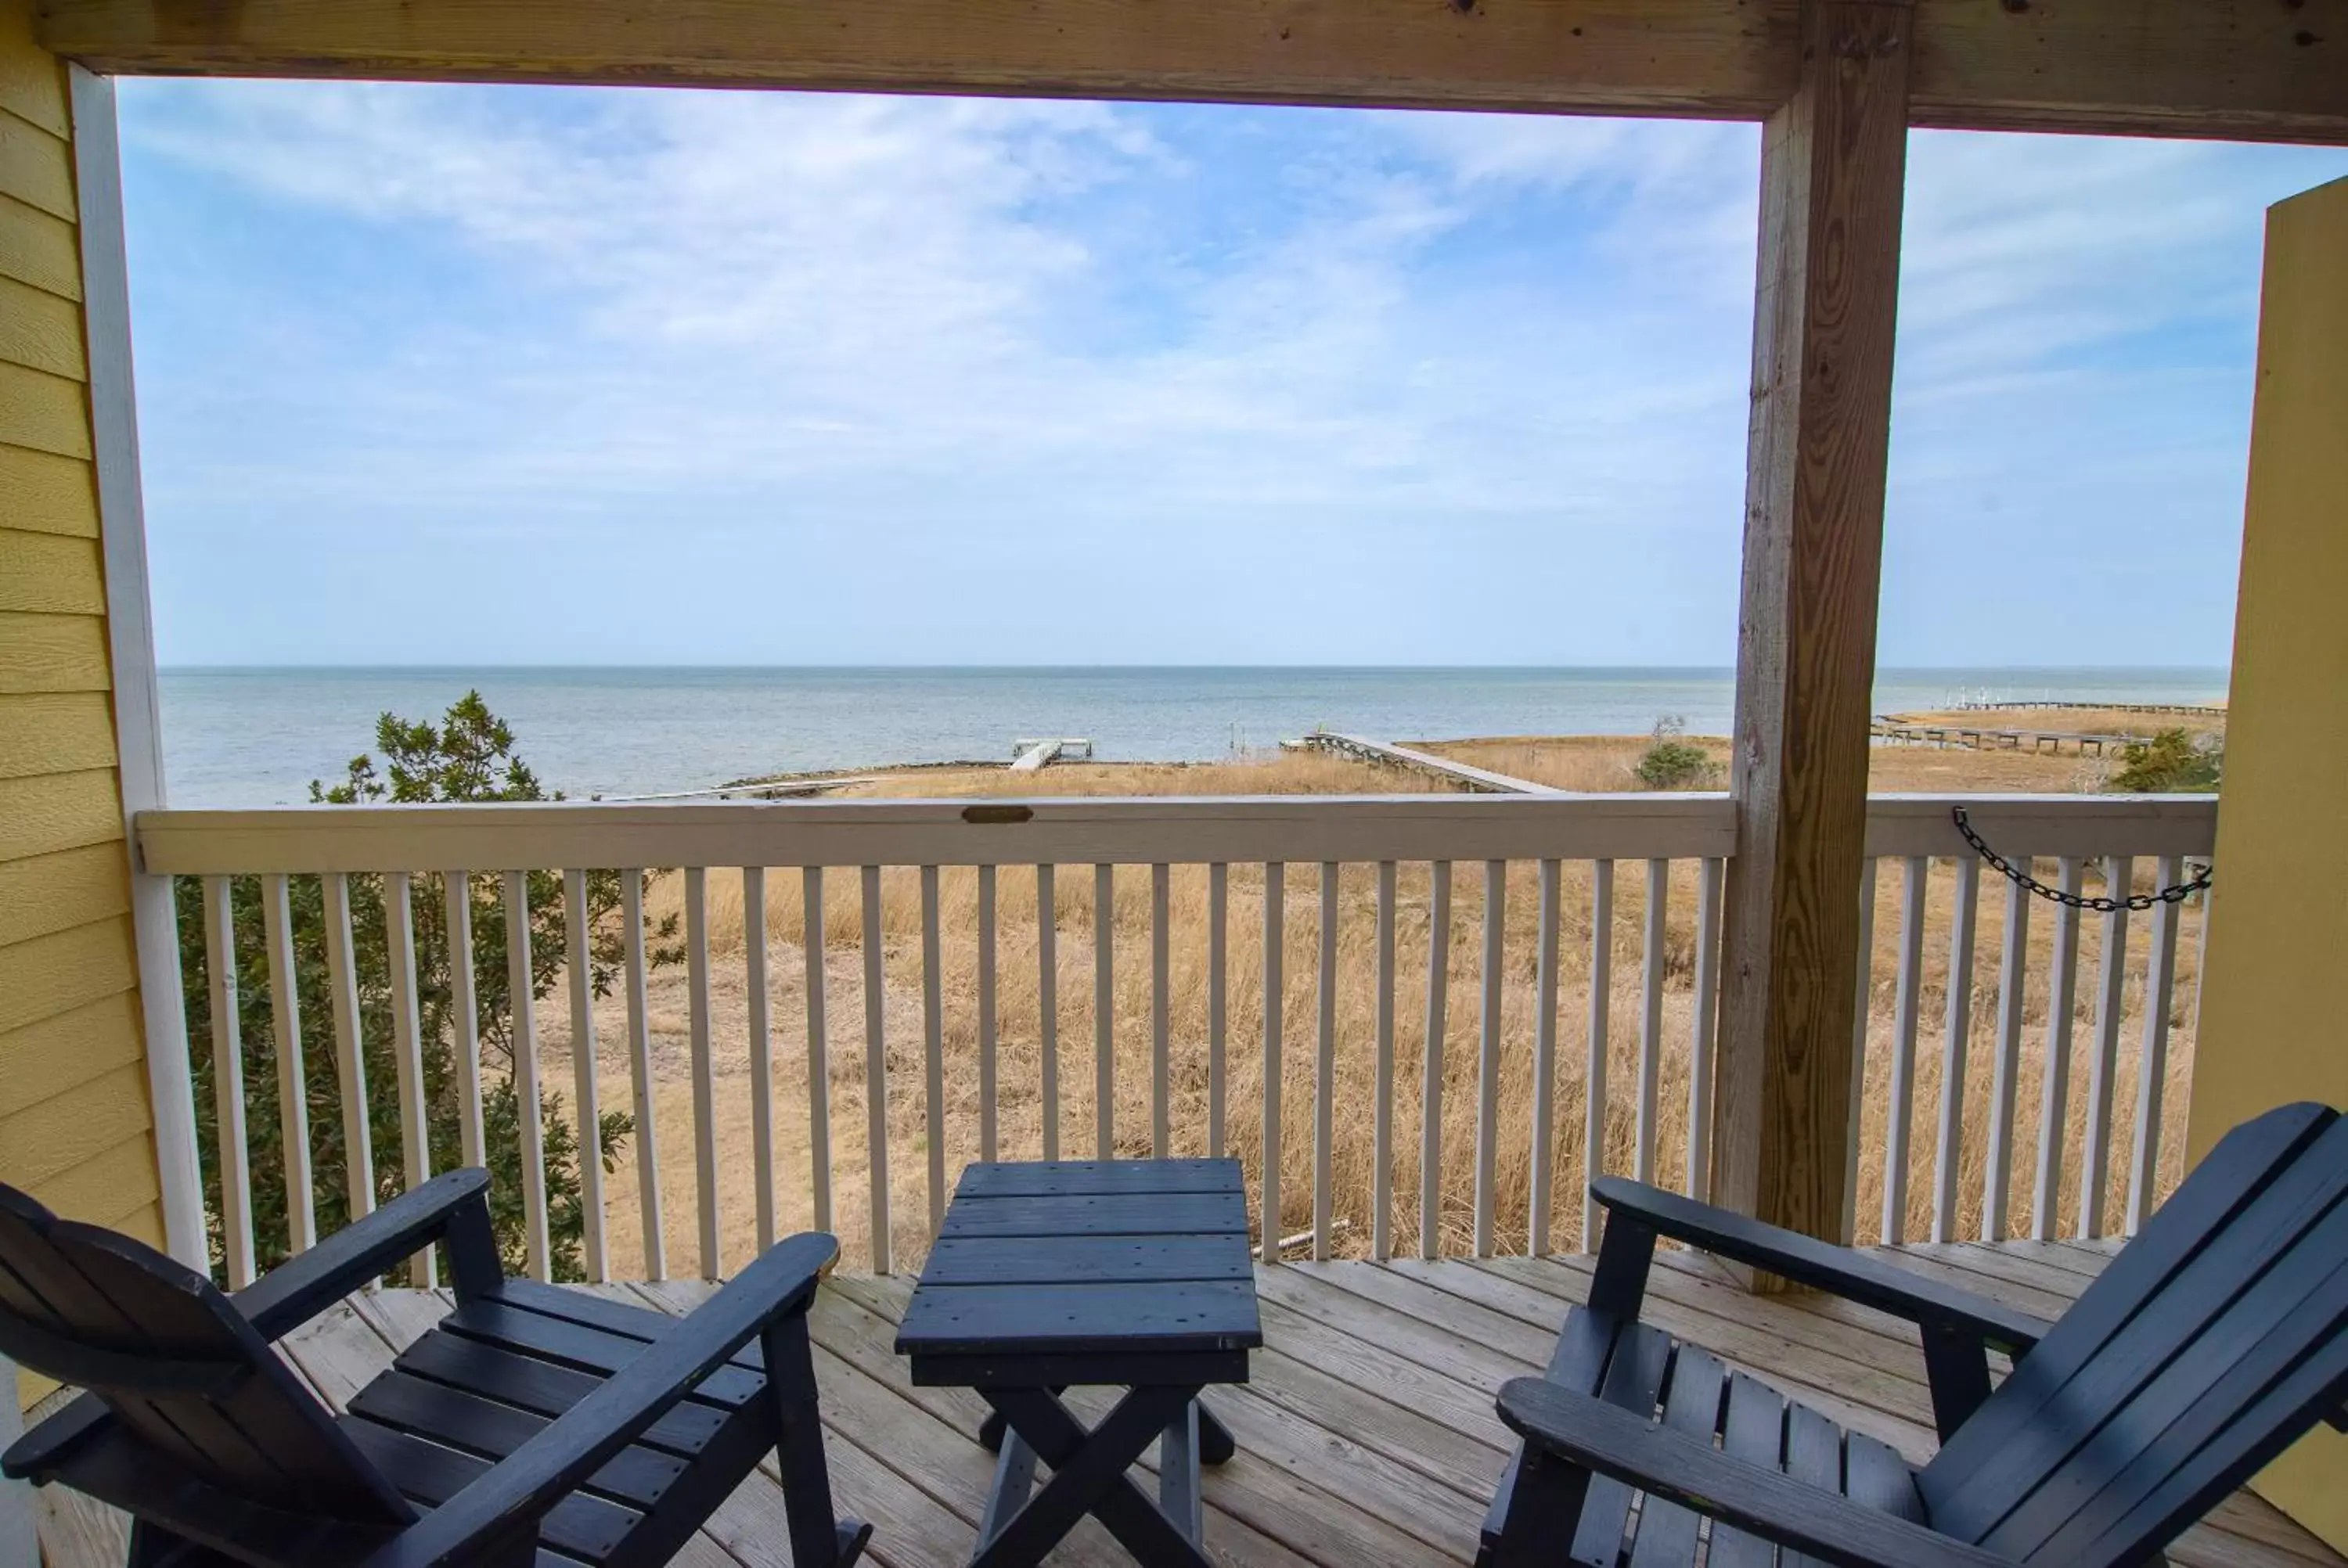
column 769, row 789
column 1032, row 756
column 2199, row 710
column 1480, row 781
column 1986, row 738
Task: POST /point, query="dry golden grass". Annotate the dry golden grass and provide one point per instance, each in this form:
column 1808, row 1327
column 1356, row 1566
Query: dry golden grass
column 1353, row 1064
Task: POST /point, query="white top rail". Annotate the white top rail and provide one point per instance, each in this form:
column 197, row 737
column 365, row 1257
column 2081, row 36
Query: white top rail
column 1122, row 830
column 2043, row 824
column 1130, row 830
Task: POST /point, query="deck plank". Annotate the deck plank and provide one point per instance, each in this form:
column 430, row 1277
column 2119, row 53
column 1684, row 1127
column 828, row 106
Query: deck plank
column 1367, row 1432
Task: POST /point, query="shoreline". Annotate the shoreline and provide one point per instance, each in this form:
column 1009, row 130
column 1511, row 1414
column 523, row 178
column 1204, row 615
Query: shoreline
column 2114, row 722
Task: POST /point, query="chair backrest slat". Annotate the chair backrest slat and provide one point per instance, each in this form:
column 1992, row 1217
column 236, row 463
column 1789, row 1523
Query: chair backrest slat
column 2233, row 1175
column 39, row 1286
column 2228, row 1289
column 2203, row 1433
column 260, row 1437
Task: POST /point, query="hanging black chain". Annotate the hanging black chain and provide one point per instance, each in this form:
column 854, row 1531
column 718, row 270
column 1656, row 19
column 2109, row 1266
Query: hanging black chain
column 2020, row 876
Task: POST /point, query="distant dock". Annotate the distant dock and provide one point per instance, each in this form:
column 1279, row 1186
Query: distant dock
column 1033, row 756
column 1984, row 738
column 2200, row 711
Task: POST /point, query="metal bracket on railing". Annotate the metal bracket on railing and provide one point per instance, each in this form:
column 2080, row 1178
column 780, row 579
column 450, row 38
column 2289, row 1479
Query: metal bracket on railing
column 2177, row 893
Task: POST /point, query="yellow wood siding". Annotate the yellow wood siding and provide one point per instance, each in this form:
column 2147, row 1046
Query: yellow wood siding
column 50, row 574
column 2274, row 992
column 75, row 1121
column 47, row 732
column 37, row 249
column 68, row 1049
column 43, row 492
column 53, row 652
column 47, row 893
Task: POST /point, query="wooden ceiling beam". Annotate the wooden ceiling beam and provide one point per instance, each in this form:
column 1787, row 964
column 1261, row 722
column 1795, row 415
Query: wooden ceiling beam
column 2261, row 69
column 1696, row 57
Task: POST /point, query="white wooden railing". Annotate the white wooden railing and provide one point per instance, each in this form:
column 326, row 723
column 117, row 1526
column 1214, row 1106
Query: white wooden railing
column 1401, row 849
column 1907, row 834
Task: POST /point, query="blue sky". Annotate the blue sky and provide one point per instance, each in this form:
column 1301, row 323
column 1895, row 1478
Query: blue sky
column 451, row 375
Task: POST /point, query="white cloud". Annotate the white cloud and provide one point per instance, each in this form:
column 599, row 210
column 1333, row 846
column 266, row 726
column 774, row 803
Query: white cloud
column 943, row 350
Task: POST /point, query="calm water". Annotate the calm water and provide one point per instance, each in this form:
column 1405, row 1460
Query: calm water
column 257, row 737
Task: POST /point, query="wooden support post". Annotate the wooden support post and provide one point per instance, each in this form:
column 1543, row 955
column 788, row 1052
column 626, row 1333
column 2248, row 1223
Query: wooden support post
column 1833, row 162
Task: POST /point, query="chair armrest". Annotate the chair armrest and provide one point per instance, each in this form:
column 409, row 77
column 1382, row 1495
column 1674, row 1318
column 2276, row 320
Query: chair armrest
column 504, row 1503
column 1795, row 1514
column 308, row 1283
column 1840, row 1270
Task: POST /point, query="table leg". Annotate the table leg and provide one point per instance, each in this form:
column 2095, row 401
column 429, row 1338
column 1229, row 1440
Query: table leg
column 990, row 1430
column 1177, row 1472
column 1015, row 1483
column 1088, row 1475
column 1216, row 1443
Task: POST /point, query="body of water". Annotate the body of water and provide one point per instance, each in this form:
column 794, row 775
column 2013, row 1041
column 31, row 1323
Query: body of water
column 258, row 737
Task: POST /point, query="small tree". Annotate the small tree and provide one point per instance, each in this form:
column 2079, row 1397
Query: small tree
column 468, row 757
column 1672, row 761
column 2170, row 763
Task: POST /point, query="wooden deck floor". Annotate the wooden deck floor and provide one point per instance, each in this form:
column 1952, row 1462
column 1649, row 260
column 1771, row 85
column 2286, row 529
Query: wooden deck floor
column 1367, row 1436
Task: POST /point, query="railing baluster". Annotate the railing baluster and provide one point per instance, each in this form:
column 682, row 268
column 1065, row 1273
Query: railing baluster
column 2012, row 972
column 1710, row 877
column 1274, row 889
column 934, row 1048
column 228, row 1081
column 1544, row 1061
column 1324, row 1064
column 762, row 1051
column 1160, row 966
column 585, row 1102
column 464, row 1014
column 2152, row 1067
column 1899, row 1112
column 1047, row 1009
column 1487, row 1055
column 1651, row 1014
column 2055, row 1096
column 1865, row 1002
column 640, row 1072
column 1601, row 986
column 988, row 1109
column 1908, row 829
column 2111, row 997
column 350, row 1064
column 1382, row 1113
column 529, row 1098
column 1430, row 1086
column 293, row 1089
column 1948, row 1159
column 705, row 1067
column 407, row 1045
column 1219, row 903
column 1104, row 1011
column 876, row 1076
column 818, row 1045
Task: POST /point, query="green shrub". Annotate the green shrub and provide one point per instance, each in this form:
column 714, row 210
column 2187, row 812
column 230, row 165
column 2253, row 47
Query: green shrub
column 468, row 757
column 1673, row 762
column 2170, row 763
